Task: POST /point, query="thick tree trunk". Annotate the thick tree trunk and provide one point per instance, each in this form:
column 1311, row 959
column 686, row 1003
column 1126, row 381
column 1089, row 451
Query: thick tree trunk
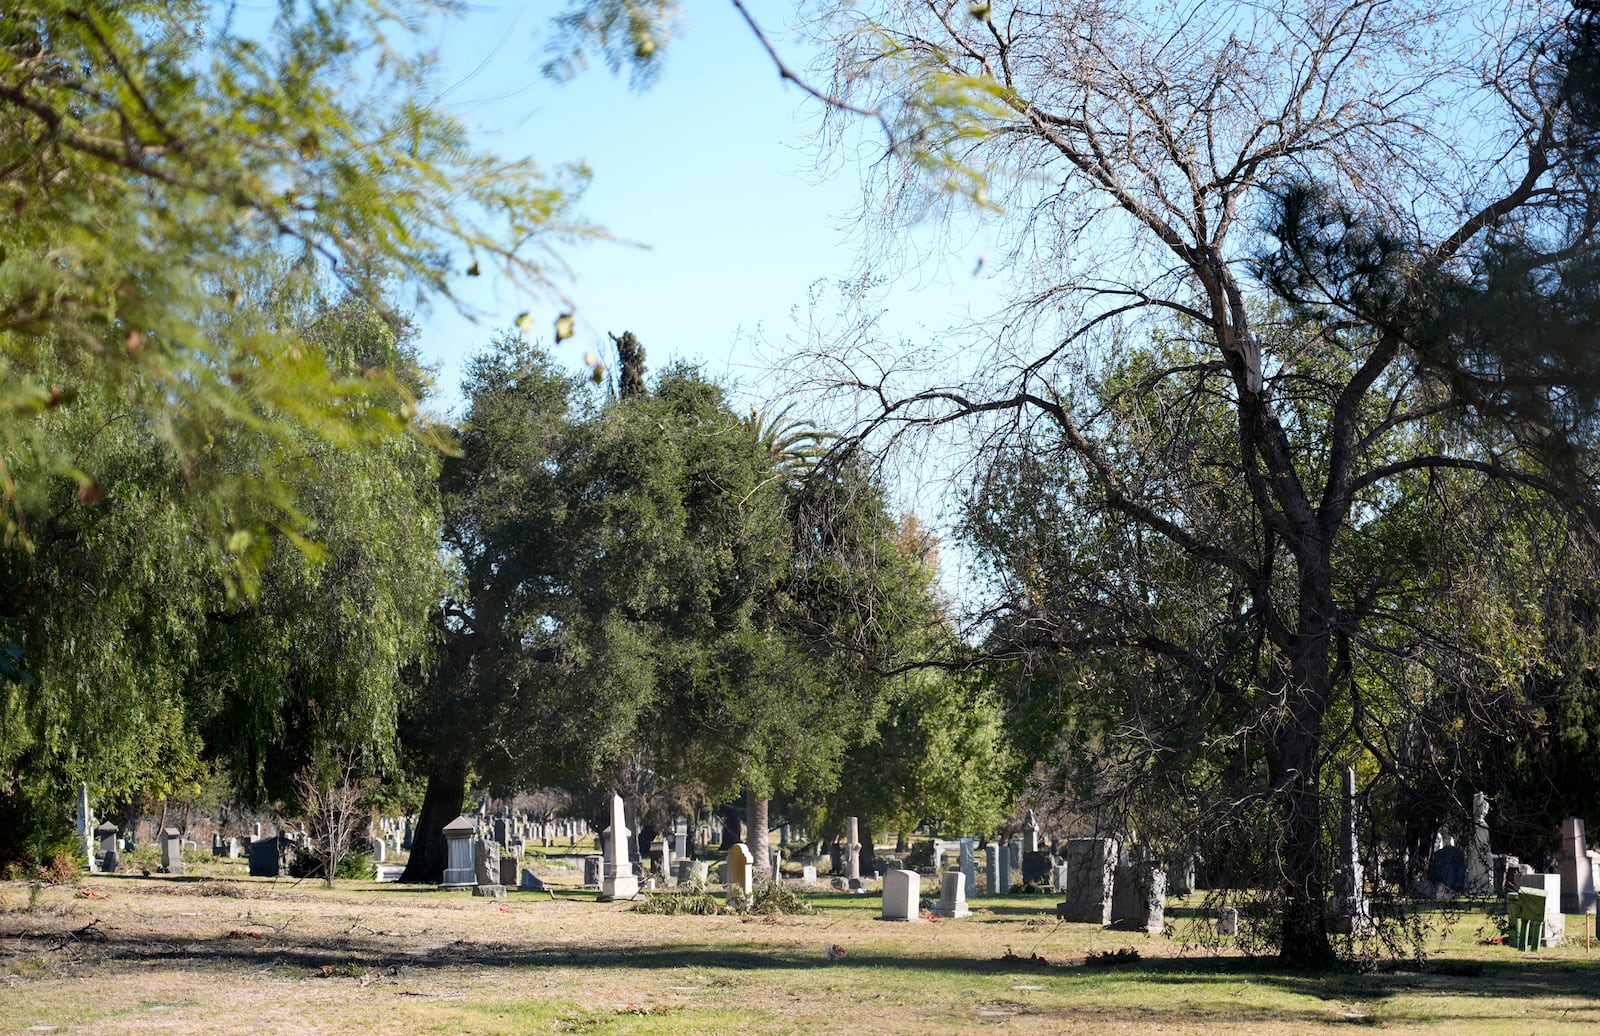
column 441, row 803
column 755, row 811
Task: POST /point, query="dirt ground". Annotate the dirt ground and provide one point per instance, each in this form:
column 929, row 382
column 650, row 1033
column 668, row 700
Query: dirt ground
column 217, row 954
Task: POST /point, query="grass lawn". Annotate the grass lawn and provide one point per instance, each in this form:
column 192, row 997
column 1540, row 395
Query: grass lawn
column 228, row 953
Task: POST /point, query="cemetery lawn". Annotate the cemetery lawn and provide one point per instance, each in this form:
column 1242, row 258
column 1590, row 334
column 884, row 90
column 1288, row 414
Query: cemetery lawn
column 231, row 953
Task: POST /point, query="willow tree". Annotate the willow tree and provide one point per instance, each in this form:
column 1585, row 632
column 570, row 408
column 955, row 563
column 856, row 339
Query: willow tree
column 1291, row 183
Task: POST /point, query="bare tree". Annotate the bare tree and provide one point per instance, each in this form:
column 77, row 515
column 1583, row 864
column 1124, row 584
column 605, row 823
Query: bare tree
column 332, row 799
column 1285, row 185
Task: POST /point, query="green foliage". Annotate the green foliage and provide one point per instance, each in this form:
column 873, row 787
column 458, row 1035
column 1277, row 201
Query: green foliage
column 776, row 898
column 170, row 185
column 695, row 898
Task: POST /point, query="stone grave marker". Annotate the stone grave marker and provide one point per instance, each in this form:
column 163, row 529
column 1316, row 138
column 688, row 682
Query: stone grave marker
column 620, row 881
column 952, row 895
column 991, row 869
column 594, row 871
column 1030, row 834
column 1139, row 896
column 1228, row 921
column 172, row 851
column 1480, row 861
column 1037, row 868
column 1091, row 874
column 486, row 870
column 106, row 835
column 380, row 851
column 1555, row 924
column 460, row 840
column 1577, row 874
column 508, row 870
column 1005, row 870
column 967, row 862
column 266, row 857
column 901, row 891
column 740, row 877
column 808, row 873
column 852, row 871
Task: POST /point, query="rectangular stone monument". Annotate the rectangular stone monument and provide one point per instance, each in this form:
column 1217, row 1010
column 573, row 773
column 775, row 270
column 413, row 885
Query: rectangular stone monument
column 741, row 872
column 775, row 862
column 106, row 835
column 680, row 839
column 266, row 857
column 460, row 840
column 991, row 869
column 1555, row 925
column 1037, row 867
column 1577, row 874
column 620, row 881
column 172, row 851
column 1139, row 897
column 380, row 851
column 1228, row 921
column 1091, row 875
column 664, row 858
column 808, row 873
column 1180, row 878
column 1015, row 852
column 901, row 892
column 968, row 864
column 1005, row 870
column 952, row 895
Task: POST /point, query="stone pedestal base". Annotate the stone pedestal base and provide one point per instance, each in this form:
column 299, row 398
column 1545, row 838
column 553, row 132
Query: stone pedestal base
column 623, row 886
column 489, row 891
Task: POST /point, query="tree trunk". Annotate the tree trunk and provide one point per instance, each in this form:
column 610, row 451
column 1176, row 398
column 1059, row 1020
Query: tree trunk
column 441, row 803
column 755, row 811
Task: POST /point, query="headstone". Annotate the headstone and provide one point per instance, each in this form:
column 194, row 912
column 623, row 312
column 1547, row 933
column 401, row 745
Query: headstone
column 901, row 890
column 1005, row 870
column 1091, row 873
column 530, row 881
column 1555, row 924
column 1180, row 878
column 952, row 895
column 106, row 836
column 775, row 862
column 172, row 851
column 1139, row 896
column 266, row 857
column 1506, row 869
column 594, row 871
column 405, row 839
column 783, row 834
column 255, row 832
column 680, row 839
column 508, row 871
column 380, row 851
column 1577, row 874
column 460, row 840
column 1228, row 921
column 233, row 848
column 664, row 858
column 620, row 881
column 968, row 863
column 216, row 844
column 852, row 871
column 808, row 873
column 1037, row 867
column 1030, row 834
column 1349, row 911
column 991, row 869
column 1480, row 863
column 1015, row 847
column 86, row 825
column 741, row 871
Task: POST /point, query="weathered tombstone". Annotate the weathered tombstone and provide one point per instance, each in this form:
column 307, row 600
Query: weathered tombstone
column 508, row 870
column 952, row 895
column 460, row 838
column 1015, row 852
column 1030, row 834
column 1091, row 874
column 808, row 873
column 991, row 869
column 106, row 836
column 86, row 825
column 620, row 881
column 1577, row 874
column 172, row 851
column 1005, row 870
column 1037, row 868
column 216, row 844
column 901, row 890
column 380, row 851
column 1555, row 924
column 1350, row 914
column 1447, row 868
column 1180, row 878
column 775, row 862
column 664, row 858
column 1480, row 863
column 486, row 870
column 233, row 848
column 530, row 881
column 594, row 871
column 852, row 871
column 1228, row 921
column 680, row 839
column 405, row 839
column 1506, row 870
column 968, row 864
column 1139, row 896
column 741, row 872
column 1058, row 874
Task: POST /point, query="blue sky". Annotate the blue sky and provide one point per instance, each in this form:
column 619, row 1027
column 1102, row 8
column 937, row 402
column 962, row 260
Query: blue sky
column 712, row 171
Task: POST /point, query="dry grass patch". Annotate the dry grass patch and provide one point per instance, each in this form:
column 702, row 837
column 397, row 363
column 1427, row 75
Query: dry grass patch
column 206, row 955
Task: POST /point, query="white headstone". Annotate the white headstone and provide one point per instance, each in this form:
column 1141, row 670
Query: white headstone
column 620, row 881
column 901, row 890
column 1555, row 924
column 741, row 871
